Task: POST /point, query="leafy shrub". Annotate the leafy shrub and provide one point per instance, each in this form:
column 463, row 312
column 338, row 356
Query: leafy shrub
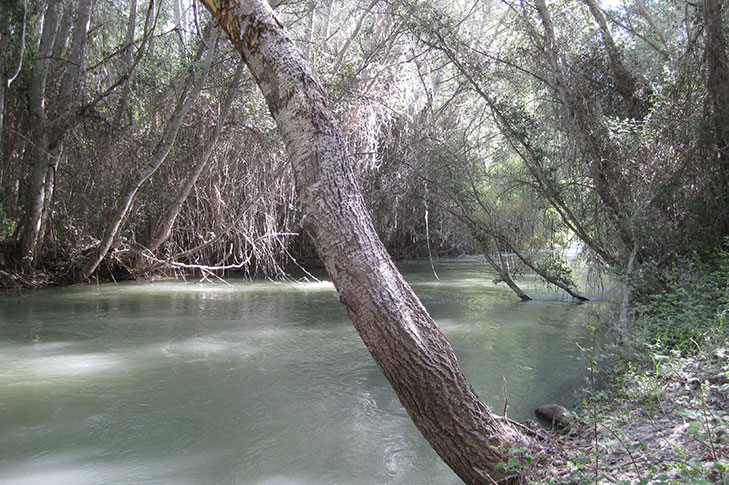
column 7, row 225
column 555, row 267
column 693, row 309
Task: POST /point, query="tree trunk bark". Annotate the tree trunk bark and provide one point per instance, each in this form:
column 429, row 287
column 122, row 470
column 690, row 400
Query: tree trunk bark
column 39, row 154
column 717, row 63
column 309, row 31
column 403, row 339
column 191, row 90
column 72, row 72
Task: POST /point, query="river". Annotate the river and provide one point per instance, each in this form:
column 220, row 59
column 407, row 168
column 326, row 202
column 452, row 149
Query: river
column 177, row 382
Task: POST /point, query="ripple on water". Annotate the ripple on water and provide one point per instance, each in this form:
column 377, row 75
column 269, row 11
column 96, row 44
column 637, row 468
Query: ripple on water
column 39, row 369
column 257, row 383
column 83, row 466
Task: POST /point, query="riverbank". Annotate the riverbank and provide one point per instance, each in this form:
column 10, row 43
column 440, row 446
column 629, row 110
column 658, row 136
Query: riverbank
column 16, row 281
column 664, row 422
column 662, row 413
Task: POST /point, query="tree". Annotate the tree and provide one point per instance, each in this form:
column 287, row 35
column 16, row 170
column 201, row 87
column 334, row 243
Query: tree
column 164, row 225
column 403, row 339
column 48, row 132
column 717, row 63
column 191, row 89
column 8, row 74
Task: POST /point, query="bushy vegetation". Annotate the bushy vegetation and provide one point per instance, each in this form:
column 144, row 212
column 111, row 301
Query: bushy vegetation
column 692, row 310
column 662, row 413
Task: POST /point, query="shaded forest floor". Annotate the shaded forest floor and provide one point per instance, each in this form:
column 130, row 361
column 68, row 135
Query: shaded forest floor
column 667, row 423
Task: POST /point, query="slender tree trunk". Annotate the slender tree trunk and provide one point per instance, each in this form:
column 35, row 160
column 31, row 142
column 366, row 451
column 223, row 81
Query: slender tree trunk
column 72, row 72
column 179, row 24
column 50, row 187
column 350, row 39
column 127, row 63
column 64, row 30
column 164, row 226
column 309, row 31
column 403, row 339
column 47, row 135
column 624, row 319
column 625, row 83
column 592, row 138
column 541, row 274
column 2, row 118
column 717, row 63
column 663, row 49
column 42, row 161
column 39, row 155
column 6, row 77
column 191, row 90
column 483, row 235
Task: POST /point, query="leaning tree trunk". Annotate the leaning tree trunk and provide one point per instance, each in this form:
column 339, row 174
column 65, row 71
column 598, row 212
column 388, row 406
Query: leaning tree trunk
column 544, row 275
column 164, row 226
column 403, row 339
column 501, row 268
column 191, row 90
column 624, row 81
column 505, row 276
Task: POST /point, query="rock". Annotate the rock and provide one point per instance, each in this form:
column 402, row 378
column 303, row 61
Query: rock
column 553, row 414
column 694, row 384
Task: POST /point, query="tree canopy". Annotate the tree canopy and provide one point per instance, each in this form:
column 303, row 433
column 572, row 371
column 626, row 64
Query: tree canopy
column 130, row 143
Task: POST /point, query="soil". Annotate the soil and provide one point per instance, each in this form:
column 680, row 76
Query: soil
column 666, row 425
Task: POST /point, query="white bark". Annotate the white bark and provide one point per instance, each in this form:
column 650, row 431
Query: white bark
column 39, row 155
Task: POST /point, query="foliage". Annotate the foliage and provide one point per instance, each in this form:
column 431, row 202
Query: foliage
column 555, row 266
column 693, row 310
column 451, row 113
column 7, row 225
column 661, row 418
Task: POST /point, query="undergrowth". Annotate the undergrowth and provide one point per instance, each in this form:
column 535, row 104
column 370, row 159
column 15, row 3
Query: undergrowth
column 663, row 417
column 692, row 311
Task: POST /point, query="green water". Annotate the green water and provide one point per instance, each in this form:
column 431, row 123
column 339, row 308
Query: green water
column 253, row 383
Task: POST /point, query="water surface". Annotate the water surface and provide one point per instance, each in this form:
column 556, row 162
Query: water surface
column 253, row 383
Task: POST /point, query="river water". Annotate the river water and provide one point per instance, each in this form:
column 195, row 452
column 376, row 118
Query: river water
column 254, row 383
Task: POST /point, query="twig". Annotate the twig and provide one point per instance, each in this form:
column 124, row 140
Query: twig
column 506, row 398
column 627, row 450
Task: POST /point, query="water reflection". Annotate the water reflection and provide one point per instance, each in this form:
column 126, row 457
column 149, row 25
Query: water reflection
column 257, row 383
